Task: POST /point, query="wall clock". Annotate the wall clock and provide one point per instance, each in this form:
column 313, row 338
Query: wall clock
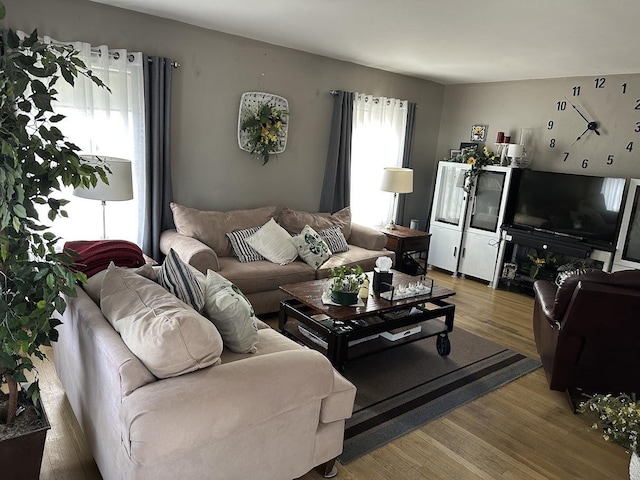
column 594, row 123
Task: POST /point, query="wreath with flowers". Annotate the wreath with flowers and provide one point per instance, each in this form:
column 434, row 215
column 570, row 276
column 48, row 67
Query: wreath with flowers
column 265, row 130
column 478, row 159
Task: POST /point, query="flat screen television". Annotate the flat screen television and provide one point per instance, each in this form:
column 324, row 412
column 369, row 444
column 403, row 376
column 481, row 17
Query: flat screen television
column 582, row 207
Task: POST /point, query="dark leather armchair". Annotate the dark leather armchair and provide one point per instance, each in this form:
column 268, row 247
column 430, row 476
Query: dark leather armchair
column 587, row 331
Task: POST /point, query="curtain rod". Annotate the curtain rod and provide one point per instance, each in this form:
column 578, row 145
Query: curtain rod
column 130, row 57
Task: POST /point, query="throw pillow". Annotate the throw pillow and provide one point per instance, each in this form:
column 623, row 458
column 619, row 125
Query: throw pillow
column 231, row 313
column 169, row 337
column 294, row 221
column 334, row 239
column 210, row 227
column 311, row 247
column 178, row 278
column 274, row 243
column 242, row 250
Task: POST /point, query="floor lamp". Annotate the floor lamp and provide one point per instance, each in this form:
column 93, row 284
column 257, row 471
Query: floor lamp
column 396, row 180
column 120, row 185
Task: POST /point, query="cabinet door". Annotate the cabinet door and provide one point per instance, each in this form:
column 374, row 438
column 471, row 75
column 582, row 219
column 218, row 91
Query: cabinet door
column 479, row 255
column 444, row 247
column 487, row 201
column 628, row 248
column 449, row 199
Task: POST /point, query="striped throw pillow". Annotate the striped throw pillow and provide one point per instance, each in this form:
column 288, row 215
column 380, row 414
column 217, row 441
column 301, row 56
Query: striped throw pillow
column 241, row 249
column 334, row 238
column 177, row 277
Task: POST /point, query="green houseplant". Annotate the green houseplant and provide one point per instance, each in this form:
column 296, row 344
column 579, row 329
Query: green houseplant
column 618, row 418
column 345, row 284
column 477, row 158
column 36, row 161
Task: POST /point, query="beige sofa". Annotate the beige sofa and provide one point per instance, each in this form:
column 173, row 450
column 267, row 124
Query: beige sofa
column 200, row 240
column 274, row 414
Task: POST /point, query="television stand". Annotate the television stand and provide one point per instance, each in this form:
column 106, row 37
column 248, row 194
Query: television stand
column 520, row 248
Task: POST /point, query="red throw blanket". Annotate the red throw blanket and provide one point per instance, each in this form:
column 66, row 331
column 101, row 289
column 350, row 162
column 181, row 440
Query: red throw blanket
column 95, row 255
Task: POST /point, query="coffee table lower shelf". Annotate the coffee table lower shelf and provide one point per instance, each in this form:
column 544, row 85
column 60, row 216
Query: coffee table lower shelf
column 351, row 339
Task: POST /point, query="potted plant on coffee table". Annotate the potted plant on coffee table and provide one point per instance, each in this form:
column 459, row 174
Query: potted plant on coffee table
column 35, row 163
column 345, row 284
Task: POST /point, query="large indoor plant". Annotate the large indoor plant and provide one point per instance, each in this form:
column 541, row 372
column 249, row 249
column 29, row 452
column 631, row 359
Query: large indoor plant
column 36, row 162
column 618, row 417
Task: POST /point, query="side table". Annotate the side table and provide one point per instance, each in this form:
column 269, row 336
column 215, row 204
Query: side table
column 405, row 242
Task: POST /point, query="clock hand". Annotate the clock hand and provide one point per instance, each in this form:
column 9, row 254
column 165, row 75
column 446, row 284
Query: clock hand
column 591, row 126
column 580, row 136
column 579, row 112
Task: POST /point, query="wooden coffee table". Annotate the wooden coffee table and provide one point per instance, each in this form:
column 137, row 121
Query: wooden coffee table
column 345, row 333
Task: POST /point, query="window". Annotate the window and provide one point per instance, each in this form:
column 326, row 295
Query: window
column 110, row 124
column 378, row 134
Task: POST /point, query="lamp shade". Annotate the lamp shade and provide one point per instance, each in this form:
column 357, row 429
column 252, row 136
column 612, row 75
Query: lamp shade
column 397, row 180
column 120, row 184
column 515, row 150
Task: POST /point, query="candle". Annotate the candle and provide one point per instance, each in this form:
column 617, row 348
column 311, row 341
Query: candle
column 500, row 138
column 507, row 139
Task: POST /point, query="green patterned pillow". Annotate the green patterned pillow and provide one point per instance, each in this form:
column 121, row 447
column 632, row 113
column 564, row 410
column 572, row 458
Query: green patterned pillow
column 311, row 247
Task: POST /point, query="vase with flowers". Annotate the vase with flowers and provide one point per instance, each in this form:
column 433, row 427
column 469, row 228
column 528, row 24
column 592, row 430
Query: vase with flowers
column 264, row 130
column 477, row 158
column 618, row 417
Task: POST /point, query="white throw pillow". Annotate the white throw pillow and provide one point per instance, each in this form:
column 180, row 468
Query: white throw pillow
column 231, row 313
column 311, row 247
column 273, row 243
column 179, row 278
column 167, row 335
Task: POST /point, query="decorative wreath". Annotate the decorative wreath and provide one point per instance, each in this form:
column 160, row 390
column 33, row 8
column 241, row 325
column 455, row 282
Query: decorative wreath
column 262, row 124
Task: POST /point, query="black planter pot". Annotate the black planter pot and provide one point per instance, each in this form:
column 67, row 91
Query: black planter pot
column 344, row 298
column 21, row 457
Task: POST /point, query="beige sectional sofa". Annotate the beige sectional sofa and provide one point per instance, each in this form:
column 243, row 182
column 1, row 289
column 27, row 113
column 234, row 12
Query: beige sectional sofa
column 273, row 415
column 200, row 240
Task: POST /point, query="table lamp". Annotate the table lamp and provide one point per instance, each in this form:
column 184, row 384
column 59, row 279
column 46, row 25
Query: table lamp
column 120, row 185
column 515, row 151
column 396, row 180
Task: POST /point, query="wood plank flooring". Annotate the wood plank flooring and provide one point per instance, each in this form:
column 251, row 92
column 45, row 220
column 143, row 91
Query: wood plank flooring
column 520, row 431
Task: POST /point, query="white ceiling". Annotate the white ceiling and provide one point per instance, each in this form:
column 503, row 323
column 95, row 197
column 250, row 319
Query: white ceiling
column 447, row 41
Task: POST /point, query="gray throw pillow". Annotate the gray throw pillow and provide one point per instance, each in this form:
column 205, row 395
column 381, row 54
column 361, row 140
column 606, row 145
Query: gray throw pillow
column 334, row 238
column 244, row 252
column 231, row 313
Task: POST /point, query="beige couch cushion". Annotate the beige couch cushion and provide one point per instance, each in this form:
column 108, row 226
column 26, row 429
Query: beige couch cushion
column 211, row 227
column 169, row 337
column 355, row 256
column 294, row 221
column 263, row 275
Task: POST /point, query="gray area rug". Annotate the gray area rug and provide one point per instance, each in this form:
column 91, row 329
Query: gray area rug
column 403, row 388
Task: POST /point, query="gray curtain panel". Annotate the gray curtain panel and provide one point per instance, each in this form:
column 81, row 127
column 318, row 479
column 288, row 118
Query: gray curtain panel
column 158, row 192
column 406, row 158
column 336, row 188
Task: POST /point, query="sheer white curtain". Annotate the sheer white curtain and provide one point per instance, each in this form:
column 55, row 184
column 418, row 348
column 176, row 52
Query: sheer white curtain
column 109, row 124
column 378, row 133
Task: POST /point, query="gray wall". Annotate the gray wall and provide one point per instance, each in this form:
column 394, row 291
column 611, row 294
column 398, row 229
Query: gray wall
column 510, row 106
column 209, row 170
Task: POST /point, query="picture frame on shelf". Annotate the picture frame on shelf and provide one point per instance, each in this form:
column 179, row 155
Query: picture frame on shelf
column 454, row 152
column 479, row 133
column 468, row 145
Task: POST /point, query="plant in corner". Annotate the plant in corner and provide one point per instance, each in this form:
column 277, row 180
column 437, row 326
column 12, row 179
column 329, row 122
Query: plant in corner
column 36, row 161
column 618, row 417
column 345, row 284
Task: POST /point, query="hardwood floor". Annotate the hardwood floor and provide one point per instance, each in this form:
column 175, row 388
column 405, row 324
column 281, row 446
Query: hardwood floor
column 520, row 431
